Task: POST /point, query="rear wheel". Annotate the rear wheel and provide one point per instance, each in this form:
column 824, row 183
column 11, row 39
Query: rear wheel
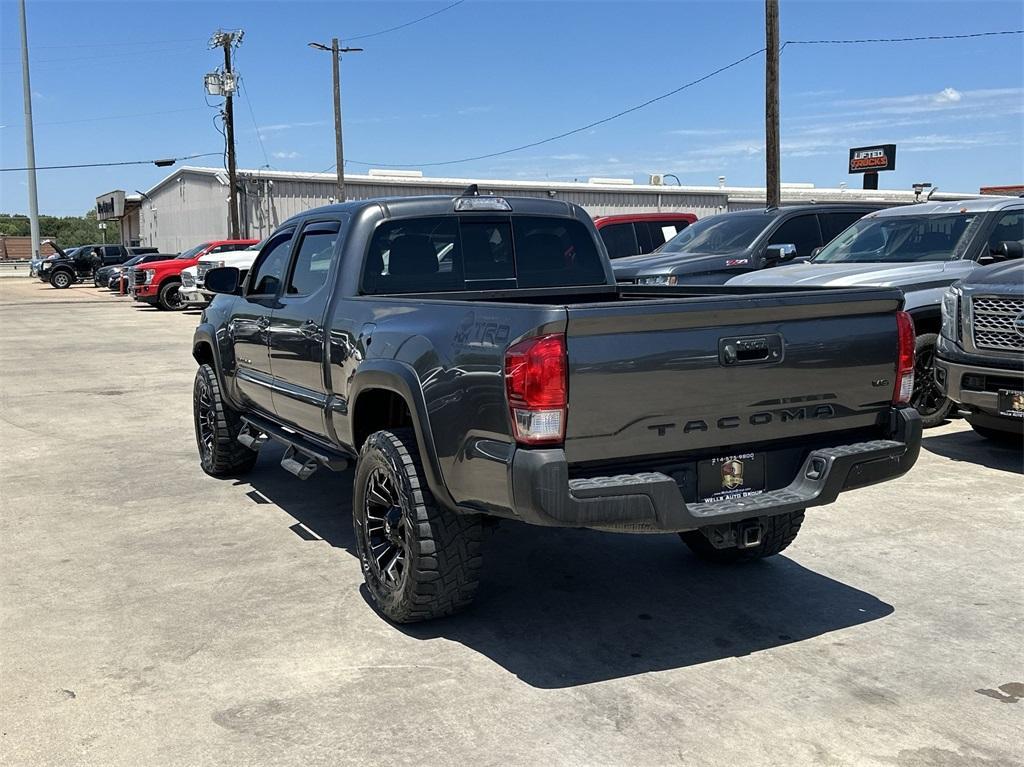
column 217, row 425
column 61, row 279
column 419, row 560
column 169, row 298
column 927, row 399
column 776, row 534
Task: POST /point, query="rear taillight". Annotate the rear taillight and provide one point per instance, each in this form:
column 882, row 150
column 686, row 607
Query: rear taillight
column 535, row 381
column 905, row 365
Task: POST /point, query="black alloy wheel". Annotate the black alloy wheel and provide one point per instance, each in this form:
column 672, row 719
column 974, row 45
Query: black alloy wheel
column 385, row 530
column 927, row 399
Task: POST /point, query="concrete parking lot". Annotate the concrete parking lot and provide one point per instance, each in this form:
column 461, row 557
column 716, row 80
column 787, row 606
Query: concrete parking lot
column 154, row 615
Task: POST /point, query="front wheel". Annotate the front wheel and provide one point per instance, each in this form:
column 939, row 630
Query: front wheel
column 419, row 560
column 60, row 280
column 926, row 398
column 169, row 298
column 776, row 534
column 217, row 425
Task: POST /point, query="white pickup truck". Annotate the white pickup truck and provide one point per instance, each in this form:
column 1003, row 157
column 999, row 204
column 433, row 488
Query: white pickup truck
column 193, row 290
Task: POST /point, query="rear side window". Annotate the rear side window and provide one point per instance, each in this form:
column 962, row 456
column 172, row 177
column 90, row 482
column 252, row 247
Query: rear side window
column 620, row 240
column 448, row 253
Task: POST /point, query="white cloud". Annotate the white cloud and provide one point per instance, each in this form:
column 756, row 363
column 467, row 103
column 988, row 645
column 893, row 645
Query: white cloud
column 700, row 132
column 475, row 110
column 278, row 127
column 571, row 156
column 948, row 95
column 286, row 155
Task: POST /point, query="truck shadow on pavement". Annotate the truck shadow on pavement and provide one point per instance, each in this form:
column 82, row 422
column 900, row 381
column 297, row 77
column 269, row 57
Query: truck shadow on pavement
column 968, row 447
column 560, row 608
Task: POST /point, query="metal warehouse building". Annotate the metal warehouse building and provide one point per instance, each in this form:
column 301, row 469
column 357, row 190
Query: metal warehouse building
column 190, row 205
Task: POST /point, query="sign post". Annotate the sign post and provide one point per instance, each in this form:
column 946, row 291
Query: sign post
column 869, row 160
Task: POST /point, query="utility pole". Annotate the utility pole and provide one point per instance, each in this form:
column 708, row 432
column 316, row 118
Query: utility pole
column 30, row 147
column 771, row 103
column 227, row 41
column 339, row 148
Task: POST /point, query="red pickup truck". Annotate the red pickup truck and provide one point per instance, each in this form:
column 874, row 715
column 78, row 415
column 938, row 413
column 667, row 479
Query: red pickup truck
column 634, row 234
column 157, row 282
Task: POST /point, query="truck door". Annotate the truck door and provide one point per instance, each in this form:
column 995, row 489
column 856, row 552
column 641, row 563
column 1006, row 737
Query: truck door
column 297, row 326
column 250, row 321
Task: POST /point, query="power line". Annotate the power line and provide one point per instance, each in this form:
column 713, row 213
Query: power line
column 675, row 91
column 159, row 163
column 905, row 39
column 255, row 125
column 574, row 131
column 406, row 24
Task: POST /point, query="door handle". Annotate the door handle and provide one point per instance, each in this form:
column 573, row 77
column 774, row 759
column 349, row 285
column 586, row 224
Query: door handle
column 309, row 329
column 263, row 322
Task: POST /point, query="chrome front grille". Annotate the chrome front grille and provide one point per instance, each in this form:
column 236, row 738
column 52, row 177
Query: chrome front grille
column 187, row 280
column 992, row 323
column 138, row 276
column 201, row 270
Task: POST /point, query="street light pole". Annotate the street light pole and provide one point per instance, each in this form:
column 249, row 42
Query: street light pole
column 30, row 148
column 339, row 147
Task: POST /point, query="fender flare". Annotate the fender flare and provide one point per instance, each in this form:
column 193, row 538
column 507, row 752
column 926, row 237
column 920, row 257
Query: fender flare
column 400, row 378
column 205, row 335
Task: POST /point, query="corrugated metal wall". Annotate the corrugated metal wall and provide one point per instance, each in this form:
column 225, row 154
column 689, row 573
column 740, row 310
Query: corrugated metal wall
column 189, row 210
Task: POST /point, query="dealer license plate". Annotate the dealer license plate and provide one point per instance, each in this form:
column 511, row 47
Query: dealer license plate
column 1011, row 403
column 730, row 477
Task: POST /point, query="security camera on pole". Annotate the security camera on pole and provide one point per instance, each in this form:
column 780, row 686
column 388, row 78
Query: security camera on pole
column 225, row 83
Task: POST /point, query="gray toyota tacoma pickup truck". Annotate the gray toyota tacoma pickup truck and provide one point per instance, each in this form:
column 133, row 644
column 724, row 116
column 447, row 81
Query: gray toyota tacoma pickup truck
column 475, row 359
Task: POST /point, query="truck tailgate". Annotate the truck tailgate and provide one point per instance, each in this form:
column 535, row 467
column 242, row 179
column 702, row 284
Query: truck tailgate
column 708, row 373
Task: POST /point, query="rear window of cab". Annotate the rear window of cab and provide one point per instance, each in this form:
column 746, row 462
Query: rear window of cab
column 480, row 252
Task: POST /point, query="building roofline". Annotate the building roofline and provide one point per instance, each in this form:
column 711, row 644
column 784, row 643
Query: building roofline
column 732, row 193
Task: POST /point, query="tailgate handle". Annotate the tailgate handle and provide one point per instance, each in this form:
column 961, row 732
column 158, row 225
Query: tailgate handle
column 750, row 350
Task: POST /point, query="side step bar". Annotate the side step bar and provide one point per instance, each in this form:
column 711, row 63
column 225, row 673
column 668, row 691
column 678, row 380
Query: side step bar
column 302, row 457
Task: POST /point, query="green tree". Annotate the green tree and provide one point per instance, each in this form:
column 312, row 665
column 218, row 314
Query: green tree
column 67, row 231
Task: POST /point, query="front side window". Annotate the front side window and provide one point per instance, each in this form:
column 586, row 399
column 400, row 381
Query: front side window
column 894, row 239
column 194, row 252
column 801, row 231
column 1009, row 228
column 313, row 261
column 268, row 270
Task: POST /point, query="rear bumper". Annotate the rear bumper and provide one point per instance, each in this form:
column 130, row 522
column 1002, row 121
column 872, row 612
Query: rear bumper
column 651, row 502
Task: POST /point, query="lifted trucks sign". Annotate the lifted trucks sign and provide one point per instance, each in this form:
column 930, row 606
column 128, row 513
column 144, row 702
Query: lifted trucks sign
column 871, row 159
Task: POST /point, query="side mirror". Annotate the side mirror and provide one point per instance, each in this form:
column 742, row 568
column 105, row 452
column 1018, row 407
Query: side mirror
column 777, row 254
column 223, row 279
column 1009, row 249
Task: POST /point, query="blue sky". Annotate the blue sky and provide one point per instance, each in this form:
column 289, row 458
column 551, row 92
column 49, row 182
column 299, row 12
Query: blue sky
column 123, row 81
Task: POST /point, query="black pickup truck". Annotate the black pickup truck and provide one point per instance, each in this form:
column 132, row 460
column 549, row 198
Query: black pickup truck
column 476, row 359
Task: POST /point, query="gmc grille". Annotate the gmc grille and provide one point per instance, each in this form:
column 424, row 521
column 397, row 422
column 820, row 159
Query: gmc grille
column 992, row 323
